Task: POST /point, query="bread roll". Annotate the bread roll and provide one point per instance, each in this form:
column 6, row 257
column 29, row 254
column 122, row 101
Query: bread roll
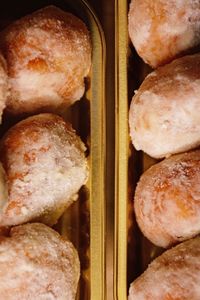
column 36, row 263
column 45, row 166
column 48, row 55
column 163, row 30
column 175, row 275
column 164, row 113
column 167, row 200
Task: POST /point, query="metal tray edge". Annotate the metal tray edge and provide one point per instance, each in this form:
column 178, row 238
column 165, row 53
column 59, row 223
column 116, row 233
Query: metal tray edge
column 121, row 151
column 97, row 161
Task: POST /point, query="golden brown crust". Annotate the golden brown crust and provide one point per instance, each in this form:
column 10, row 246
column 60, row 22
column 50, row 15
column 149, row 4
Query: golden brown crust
column 164, row 113
column 45, row 167
column 163, row 30
column 36, row 263
column 167, row 200
column 48, row 55
column 175, row 275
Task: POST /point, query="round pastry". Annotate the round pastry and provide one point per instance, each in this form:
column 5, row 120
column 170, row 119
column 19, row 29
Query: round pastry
column 175, row 275
column 36, row 263
column 167, row 200
column 4, row 86
column 164, row 113
column 48, row 55
column 45, row 167
column 162, row 30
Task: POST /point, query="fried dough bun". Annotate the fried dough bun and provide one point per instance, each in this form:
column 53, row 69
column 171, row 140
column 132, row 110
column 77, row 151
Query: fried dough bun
column 164, row 113
column 167, row 200
column 163, row 30
column 45, row 166
column 175, row 275
column 36, row 263
column 48, row 55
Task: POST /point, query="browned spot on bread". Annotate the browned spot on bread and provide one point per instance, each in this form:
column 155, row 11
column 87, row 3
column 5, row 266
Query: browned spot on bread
column 38, row 64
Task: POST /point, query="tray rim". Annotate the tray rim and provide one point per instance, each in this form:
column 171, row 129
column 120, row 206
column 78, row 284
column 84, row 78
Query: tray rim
column 121, row 149
column 98, row 154
column 97, row 162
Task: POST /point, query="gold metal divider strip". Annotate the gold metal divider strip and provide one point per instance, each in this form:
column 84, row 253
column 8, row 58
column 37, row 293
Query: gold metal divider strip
column 121, row 150
column 97, row 158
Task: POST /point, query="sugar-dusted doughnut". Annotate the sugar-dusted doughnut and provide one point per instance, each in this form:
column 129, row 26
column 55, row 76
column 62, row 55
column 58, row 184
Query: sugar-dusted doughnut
column 167, row 200
column 36, row 263
column 48, row 55
column 162, row 30
column 45, row 167
column 164, row 113
column 175, row 275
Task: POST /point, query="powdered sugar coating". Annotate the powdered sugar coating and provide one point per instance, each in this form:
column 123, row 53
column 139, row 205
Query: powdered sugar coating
column 48, row 55
column 162, row 30
column 36, row 263
column 4, row 86
column 45, row 166
column 164, row 113
column 175, row 275
column 167, row 200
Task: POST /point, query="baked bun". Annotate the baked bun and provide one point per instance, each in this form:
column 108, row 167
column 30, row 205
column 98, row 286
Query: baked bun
column 36, row 263
column 45, row 166
column 162, row 30
column 164, row 113
column 175, row 275
column 4, row 86
column 48, row 55
column 167, row 200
